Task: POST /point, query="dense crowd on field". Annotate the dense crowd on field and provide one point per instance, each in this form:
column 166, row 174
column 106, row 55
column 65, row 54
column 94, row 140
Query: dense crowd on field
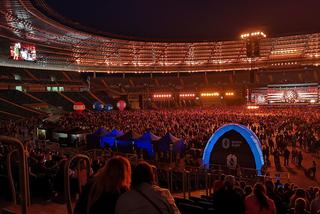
column 276, row 128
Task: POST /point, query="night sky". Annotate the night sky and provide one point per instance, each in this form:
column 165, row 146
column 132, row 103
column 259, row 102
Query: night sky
column 193, row 20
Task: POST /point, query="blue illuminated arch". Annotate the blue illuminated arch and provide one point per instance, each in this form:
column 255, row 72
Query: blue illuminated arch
column 247, row 134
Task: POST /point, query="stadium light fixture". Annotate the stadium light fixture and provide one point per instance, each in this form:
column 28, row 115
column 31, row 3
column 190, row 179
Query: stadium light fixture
column 257, row 34
column 252, row 107
column 187, row 95
column 229, row 93
column 214, row 94
column 162, row 96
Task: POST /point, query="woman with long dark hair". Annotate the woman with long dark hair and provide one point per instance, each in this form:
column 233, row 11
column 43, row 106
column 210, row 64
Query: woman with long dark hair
column 101, row 194
column 258, row 202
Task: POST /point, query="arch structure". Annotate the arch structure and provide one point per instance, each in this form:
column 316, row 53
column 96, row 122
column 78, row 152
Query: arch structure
column 249, row 136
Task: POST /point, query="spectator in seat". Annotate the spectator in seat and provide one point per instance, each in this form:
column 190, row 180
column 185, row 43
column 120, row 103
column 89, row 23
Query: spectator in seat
column 145, row 197
column 299, row 193
column 273, row 195
column 247, row 190
column 219, row 183
column 105, row 188
column 315, row 204
column 258, row 202
column 227, row 199
column 300, row 207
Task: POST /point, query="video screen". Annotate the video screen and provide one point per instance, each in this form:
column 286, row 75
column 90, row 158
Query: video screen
column 20, row 51
column 284, row 94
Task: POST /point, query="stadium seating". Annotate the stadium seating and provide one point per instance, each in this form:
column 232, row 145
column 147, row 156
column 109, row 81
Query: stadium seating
column 143, row 81
column 6, row 117
column 16, row 110
column 54, row 99
column 17, row 97
column 84, row 97
column 194, row 80
column 102, row 95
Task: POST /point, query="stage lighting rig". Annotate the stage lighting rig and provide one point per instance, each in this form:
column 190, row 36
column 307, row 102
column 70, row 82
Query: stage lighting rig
column 253, row 43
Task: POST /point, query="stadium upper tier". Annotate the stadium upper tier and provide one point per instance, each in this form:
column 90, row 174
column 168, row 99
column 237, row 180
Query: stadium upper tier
column 59, row 46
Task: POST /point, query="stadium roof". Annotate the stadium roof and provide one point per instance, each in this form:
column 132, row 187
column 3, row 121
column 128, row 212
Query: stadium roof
column 189, row 20
column 60, row 46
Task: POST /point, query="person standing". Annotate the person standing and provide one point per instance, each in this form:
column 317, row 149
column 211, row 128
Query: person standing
column 300, row 158
column 293, row 155
column 312, row 170
column 286, row 155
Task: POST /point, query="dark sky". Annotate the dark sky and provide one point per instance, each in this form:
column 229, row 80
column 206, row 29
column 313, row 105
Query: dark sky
column 193, row 20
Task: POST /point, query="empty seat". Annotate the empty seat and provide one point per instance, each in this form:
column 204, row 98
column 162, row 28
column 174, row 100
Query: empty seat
column 190, row 209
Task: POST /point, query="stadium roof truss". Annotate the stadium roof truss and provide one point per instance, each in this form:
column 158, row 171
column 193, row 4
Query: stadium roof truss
column 62, row 47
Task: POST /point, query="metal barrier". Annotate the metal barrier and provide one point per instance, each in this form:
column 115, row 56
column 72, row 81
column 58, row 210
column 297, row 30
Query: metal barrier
column 277, row 176
column 95, row 153
column 196, row 178
column 67, row 190
column 10, row 176
column 69, row 151
column 23, row 169
column 133, row 158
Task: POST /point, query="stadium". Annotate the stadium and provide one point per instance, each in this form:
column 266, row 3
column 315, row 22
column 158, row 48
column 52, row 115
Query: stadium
column 94, row 122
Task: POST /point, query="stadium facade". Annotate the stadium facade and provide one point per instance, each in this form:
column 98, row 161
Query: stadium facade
column 61, row 46
column 253, row 68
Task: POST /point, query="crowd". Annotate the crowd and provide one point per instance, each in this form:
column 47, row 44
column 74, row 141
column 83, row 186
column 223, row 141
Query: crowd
column 264, row 197
column 274, row 127
column 115, row 189
column 277, row 128
column 112, row 187
column 24, row 130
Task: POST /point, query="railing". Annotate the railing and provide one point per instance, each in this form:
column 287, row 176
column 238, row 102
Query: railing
column 133, row 158
column 191, row 179
column 10, row 176
column 95, row 153
column 78, row 158
column 23, row 168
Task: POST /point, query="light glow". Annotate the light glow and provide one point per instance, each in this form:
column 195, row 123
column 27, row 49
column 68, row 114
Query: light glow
column 253, row 34
column 214, row 94
column 252, row 107
column 229, row 93
column 187, row 95
column 162, row 96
